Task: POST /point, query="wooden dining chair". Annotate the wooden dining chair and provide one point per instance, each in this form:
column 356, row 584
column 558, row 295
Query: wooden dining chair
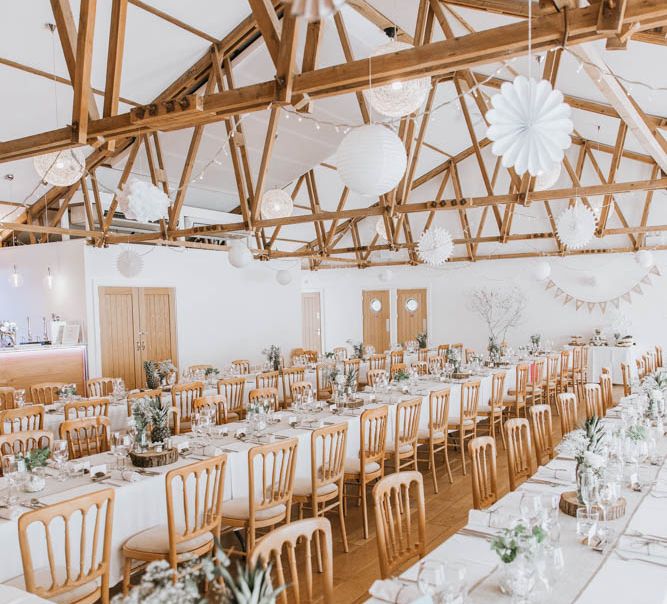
column 443, row 349
column 542, row 429
column 340, row 352
column 459, row 348
column 377, row 361
column 353, row 365
column 268, row 394
column 396, row 368
column 290, row 376
column 401, row 533
column 535, row 387
column 577, row 360
column 520, row 461
column 77, row 560
column 401, row 451
column 368, row 466
column 464, row 426
column 194, row 502
column 201, row 367
column 215, row 403
column 658, row 357
column 435, row 436
column 323, row 381
column 567, row 411
column 233, row 389
column 182, row 397
column 482, row 451
column 24, row 442
column 86, row 436
column 421, row 367
column 396, row 357
column 593, row 400
column 45, row 393
column 493, row 411
column 269, row 500
column 280, row 548
column 323, row 491
column 627, row 379
column 516, row 399
column 267, row 379
column 423, row 354
column 87, row 408
column 606, row 389
column 7, row 394
column 436, row 364
column 301, row 389
column 374, row 375
column 132, row 397
column 564, row 370
column 30, row 417
column 98, row 387
column 242, row 366
column 550, row 384
column 641, row 368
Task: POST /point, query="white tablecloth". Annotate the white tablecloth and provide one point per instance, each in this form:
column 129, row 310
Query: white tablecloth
column 13, row 595
column 611, row 357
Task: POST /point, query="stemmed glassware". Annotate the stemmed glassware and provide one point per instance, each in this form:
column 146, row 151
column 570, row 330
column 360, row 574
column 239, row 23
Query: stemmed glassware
column 589, row 489
column 10, row 470
column 59, row 453
column 607, row 496
column 431, row 578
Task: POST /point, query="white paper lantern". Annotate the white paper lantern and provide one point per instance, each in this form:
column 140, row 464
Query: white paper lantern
column 401, row 97
column 435, row 246
column 142, row 201
column 284, row 277
column 385, row 275
column 542, row 271
column 129, row 263
column 61, row 168
column 575, row 227
column 644, row 258
column 276, row 203
column 530, row 125
column 371, row 160
column 314, row 10
column 239, row 254
column 548, row 179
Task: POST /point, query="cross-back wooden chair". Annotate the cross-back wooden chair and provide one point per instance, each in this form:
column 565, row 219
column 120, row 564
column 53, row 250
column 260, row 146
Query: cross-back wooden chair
column 323, row 491
column 493, row 412
column 86, row 436
column 269, row 394
column 7, row 394
column 353, row 365
column 401, row 452
column 267, row 379
column 593, row 399
column 24, row 442
column 401, row 533
column 396, row 357
column 606, row 389
column 421, row 367
column 30, row 417
column 567, row 411
column 465, row 425
column 242, row 366
column 132, row 397
column 368, row 466
column 627, row 379
column 542, row 429
column 97, row 387
column 377, row 361
column 516, row 399
column 373, row 376
column 396, row 367
column 290, row 376
column 45, row 393
column 61, row 579
column 323, row 381
column 271, row 471
column 232, row 389
column 194, row 502
column 182, row 397
column 435, row 436
column 482, row 452
column 340, row 352
column 284, row 542
column 215, row 403
column 520, row 461
column 87, row 408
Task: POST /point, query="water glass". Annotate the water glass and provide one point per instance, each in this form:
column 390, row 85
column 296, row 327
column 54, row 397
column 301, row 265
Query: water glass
column 455, row 587
column 587, row 523
column 431, row 578
column 10, row 470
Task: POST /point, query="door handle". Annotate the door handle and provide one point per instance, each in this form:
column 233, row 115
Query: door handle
column 138, row 344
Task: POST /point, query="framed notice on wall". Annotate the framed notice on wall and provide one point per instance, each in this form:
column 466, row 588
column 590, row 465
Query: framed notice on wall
column 71, row 333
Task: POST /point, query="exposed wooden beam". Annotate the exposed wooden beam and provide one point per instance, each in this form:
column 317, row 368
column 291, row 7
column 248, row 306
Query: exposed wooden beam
column 115, row 56
column 267, row 21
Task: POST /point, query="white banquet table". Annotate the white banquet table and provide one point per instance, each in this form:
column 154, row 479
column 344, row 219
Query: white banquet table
column 611, row 357
column 14, row 595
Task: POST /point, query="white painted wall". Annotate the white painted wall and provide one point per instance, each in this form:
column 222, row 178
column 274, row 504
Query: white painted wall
column 450, row 320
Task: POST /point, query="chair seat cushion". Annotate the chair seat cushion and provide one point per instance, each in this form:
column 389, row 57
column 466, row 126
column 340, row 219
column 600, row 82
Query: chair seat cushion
column 239, row 509
column 423, row 434
column 303, row 487
column 155, row 540
column 486, row 409
column 43, row 579
column 353, row 466
column 406, row 448
column 455, row 422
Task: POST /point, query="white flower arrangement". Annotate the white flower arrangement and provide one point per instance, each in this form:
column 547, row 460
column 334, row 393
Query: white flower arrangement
column 585, row 444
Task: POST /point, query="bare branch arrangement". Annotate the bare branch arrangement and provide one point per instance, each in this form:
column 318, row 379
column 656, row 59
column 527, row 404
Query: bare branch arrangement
column 501, row 309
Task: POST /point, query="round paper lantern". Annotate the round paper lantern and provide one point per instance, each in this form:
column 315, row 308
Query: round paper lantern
column 529, row 125
column 142, row 201
column 401, row 97
column 542, row 271
column 575, row 227
column 284, row 277
column 435, row 246
column 239, row 254
column 314, row 10
column 61, row 168
column 129, row 263
column 548, row 179
column 385, row 275
column 644, row 258
column 371, row 160
column 276, row 203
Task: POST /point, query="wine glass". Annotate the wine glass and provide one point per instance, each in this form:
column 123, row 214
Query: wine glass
column 589, row 489
column 60, row 454
column 430, row 578
column 455, row 587
column 607, row 496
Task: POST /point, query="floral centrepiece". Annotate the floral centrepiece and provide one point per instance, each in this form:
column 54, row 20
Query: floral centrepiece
column 358, row 349
column 422, row 340
column 151, row 421
column 273, row 357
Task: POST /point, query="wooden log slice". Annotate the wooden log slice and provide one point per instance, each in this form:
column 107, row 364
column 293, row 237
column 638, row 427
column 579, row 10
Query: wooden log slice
column 569, row 504
column 153, row 459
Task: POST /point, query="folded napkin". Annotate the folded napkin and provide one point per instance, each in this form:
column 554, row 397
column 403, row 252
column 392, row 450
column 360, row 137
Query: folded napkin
column 12, row 513
column 130, row 476
column 393, row 590
column 643, row 549
column 212, row 451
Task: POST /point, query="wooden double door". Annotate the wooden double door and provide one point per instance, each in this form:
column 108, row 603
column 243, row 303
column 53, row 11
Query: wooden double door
column 137, row 324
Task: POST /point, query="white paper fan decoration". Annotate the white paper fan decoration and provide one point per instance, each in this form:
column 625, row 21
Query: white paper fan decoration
column 142, row 201
column 435, row 246
column 575, row 227
column 129, row 263
column 529, row 125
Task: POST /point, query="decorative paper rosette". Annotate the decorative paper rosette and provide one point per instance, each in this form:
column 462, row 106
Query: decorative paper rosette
column 129, row 263
column 142, row 201
column 276, row 203
column 575, row 227
column 435, row 246
column 529, row 125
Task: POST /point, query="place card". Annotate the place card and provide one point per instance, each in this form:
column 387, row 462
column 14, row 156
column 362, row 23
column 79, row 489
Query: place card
column 98, row 469
column 182, row 445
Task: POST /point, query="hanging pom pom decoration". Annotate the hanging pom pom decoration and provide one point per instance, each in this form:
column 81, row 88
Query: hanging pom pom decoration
column 575, row 227
column 142, row 201
column 435, row 246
